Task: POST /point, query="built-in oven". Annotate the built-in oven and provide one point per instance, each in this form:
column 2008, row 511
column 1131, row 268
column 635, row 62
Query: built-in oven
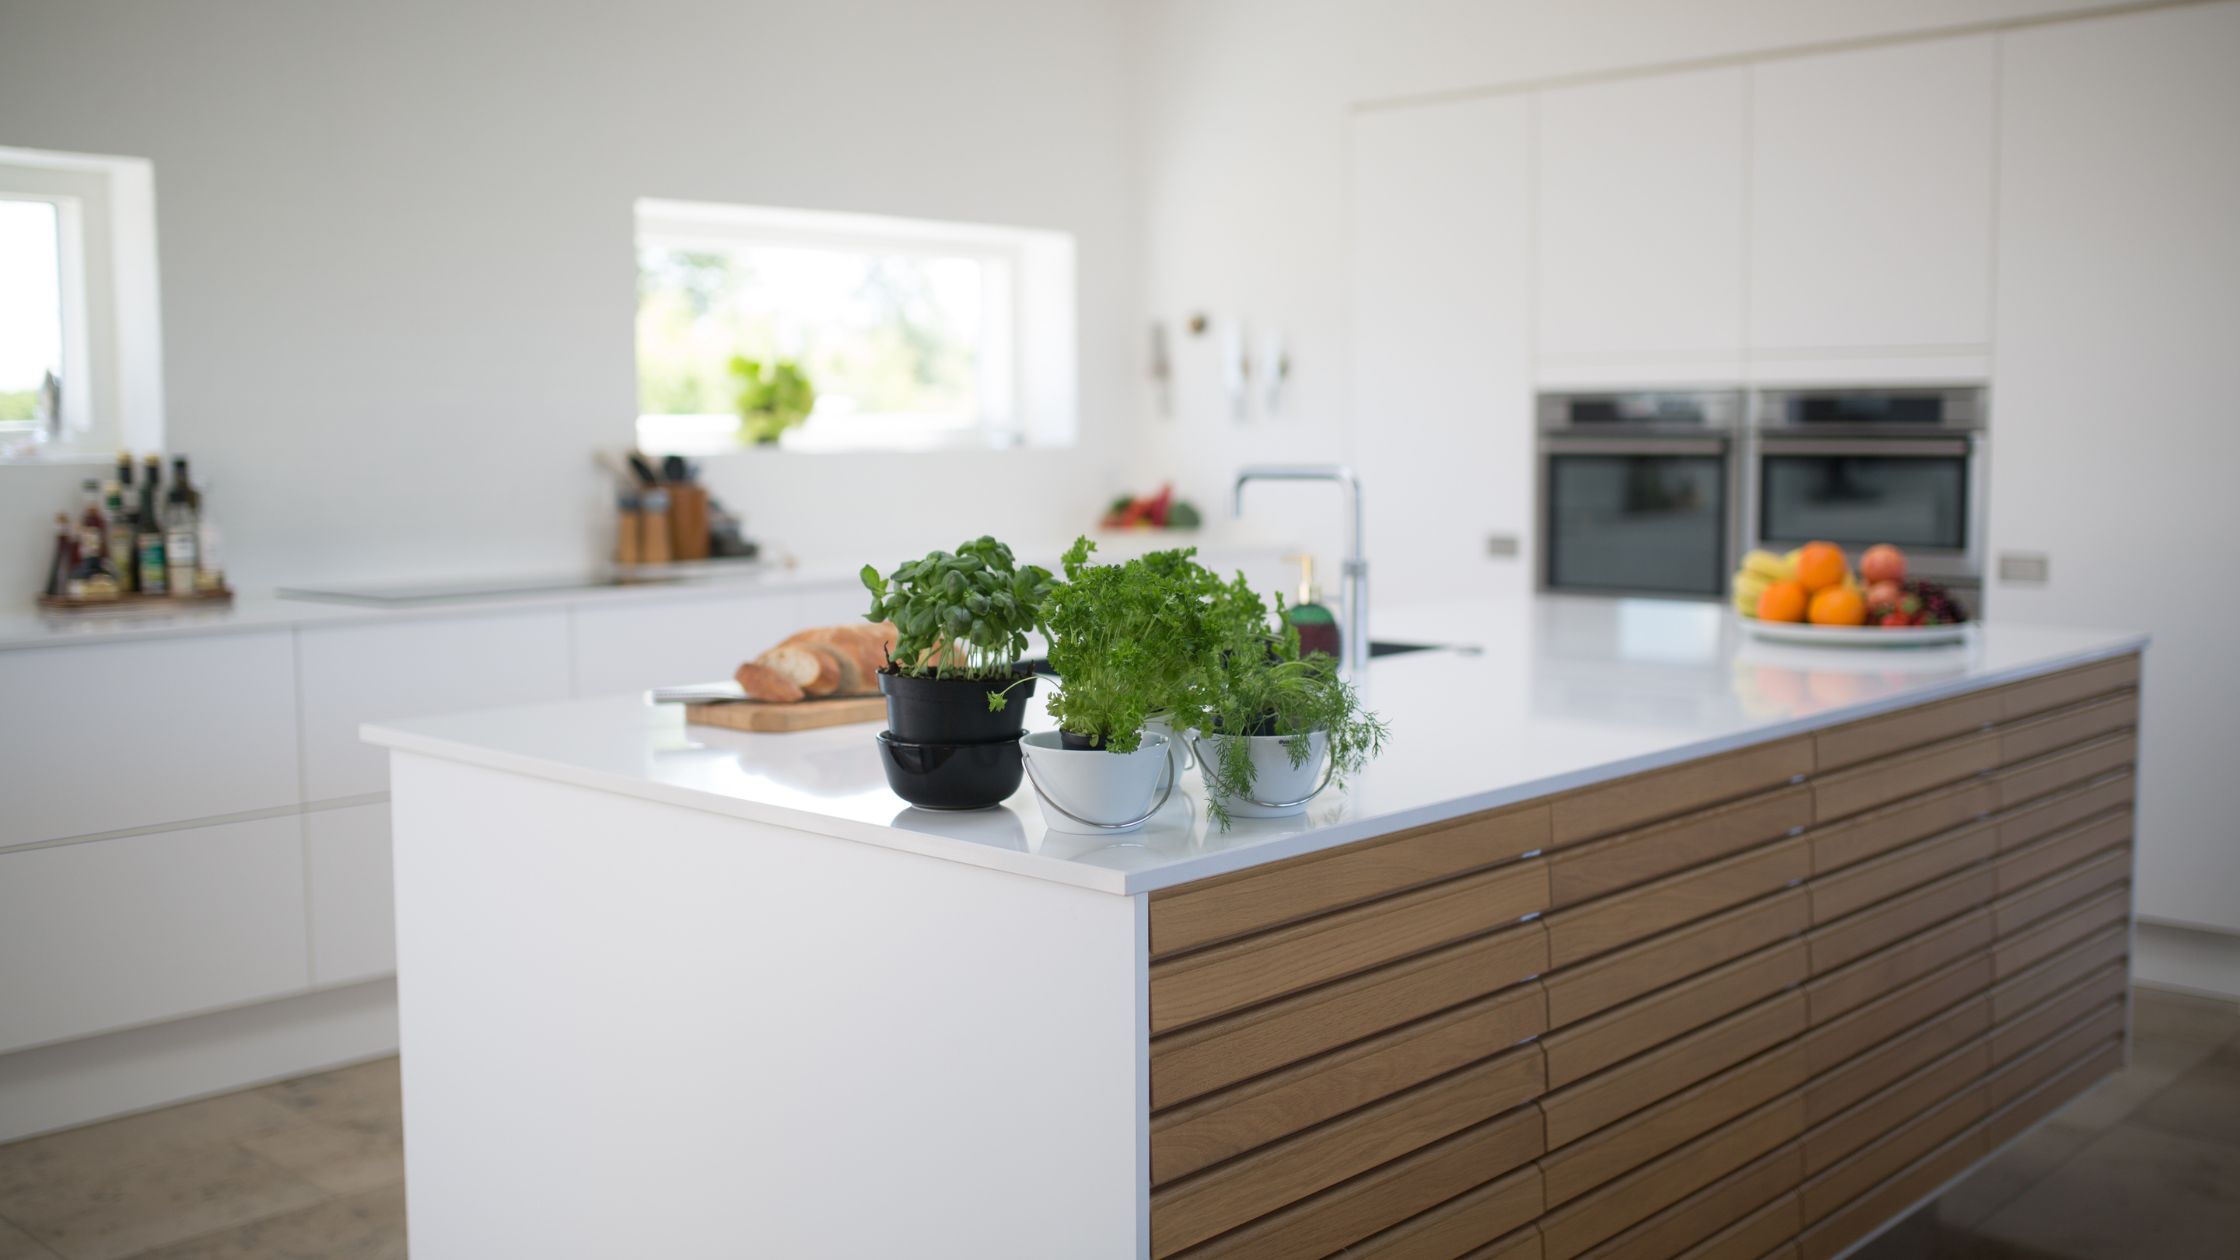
column 1858, row 467
column 1638, row 491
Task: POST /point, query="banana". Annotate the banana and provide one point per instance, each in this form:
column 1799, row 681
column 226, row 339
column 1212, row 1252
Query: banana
column 1746, row 601
column 1790, row 559
column 1772, row 568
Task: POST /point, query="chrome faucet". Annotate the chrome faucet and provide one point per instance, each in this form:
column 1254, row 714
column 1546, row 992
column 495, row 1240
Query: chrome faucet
column 1354, row 589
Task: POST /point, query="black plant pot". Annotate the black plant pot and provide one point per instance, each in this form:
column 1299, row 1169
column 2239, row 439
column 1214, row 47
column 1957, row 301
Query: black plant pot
column 953, row 776
column 953, row 710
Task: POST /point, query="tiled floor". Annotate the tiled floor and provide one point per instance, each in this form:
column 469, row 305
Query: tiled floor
column 2147, row 1165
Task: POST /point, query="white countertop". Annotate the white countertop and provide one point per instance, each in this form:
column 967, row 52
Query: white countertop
column 1568, row 691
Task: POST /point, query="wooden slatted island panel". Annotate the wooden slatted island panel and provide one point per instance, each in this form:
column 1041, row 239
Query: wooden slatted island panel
column 1755, row 1004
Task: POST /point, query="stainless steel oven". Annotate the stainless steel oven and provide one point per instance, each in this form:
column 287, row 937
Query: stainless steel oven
column 1863, row 466
column 1638, row 492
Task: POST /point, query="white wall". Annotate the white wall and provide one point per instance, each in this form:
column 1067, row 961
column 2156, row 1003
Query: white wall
column 398, row 283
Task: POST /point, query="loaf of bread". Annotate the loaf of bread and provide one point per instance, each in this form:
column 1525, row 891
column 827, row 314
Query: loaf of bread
column 804, row 667
column 820, row 661
column 761, row 682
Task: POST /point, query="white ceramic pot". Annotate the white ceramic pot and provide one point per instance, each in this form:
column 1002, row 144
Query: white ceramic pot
column 1278, row 788
column 1180, row 739
column 1093, row 791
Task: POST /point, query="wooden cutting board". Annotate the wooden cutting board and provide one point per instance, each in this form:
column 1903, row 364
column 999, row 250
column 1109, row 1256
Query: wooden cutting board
column 804, row 715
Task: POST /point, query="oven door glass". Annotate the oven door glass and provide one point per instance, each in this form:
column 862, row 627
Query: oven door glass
column 1653, row 524
column 1858, row 500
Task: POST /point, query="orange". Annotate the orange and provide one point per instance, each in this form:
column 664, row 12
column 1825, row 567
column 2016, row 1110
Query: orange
column 1839, row 606
column 1820, row 566
column 1784, row 601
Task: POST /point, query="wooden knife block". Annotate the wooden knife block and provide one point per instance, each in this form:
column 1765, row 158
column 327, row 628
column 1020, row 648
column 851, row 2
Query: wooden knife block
column 688, row 522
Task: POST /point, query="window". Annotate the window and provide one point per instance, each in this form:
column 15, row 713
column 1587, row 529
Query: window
column 915, row 335
column 81, row 370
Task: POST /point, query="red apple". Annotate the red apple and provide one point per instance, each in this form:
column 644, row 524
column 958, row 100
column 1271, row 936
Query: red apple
column 1885, row 595
column 1883, row 563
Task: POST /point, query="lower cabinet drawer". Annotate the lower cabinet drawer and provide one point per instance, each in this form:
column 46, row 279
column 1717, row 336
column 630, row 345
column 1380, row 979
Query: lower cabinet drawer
column 353, row 894
column 110, row 933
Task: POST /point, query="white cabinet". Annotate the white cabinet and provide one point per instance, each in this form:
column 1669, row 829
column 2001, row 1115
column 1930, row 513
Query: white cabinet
column 2115, row 431
column 353, row 899
column 104, row 934
column 104, row 737
column 1638, row 226
column 1871, row 178
column 361, row 673
column 630, row 647
column 1437, row 275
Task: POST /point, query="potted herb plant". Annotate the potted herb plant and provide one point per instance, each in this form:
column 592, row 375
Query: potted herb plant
column 1127, row 641
column 773, row 397
column 961, row 620
column 1277, row 726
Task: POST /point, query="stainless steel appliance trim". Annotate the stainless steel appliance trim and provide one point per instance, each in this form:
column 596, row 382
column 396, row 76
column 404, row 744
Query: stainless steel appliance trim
column 1875, row 448
column 1617, row 444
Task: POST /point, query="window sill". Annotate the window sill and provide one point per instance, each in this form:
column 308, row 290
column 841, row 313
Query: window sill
column 704, row 436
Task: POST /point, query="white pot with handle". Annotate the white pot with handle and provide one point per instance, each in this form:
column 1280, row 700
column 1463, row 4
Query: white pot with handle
column 1278, row 789
column 1092, row 791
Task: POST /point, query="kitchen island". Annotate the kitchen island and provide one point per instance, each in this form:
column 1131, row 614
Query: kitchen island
column 1642, row 939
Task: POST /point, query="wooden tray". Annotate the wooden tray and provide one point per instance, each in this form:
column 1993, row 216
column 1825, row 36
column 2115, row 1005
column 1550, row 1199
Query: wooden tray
column 805, row 715
column 146, row 603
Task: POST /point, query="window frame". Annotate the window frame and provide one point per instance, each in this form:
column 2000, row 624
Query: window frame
column 1025, row 366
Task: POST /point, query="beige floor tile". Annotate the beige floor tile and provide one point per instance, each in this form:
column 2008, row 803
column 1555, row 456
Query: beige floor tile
column 339, row 1158
column 2157, row 1014
column 2203, row 1103
column 368, row 1094
column 112, row 1213
column 2014, row 1170
column 75, row 1154
column 2131, row 1193
column 17, row 1245
column 365, row 1227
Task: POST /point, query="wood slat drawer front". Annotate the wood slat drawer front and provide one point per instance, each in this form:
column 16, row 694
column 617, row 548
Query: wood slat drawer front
column 2018, row 909
column 1571, row 1229
column 1701, row 1215
column 1522, row 1245
column 1756, row 1236
column 1571, row 1171
column 1837, row 1042
column 1227, row 906
column 1853, row 986
column 2027, row 780
column 2043, row 940
column 2067, row 687
column 2057, row 974
column 1221, row 1198
column 2042, row 1022
column 2070, row 845
column 1829, row 1142
column 1660, row 794
column 1840, row 844
column 1588, row 1106
column 1601, row 867
column 1492, row 1213
column 1208, row 1130
column 1878, row 783
column 1857, row 887
column 2068, row 1046
column 1887, row 1155
column 1865, row 1214
column 1212, row 1055
column 1855, row 742
column 1243, row 973
column 2040, row 735
column 2009, row 1123
column 1892, row 921
column 1855, row 1081
column 1355, row 1209
column 2048, row 814
column 1592, row 987
column 1581, row 932
column 1585, row 1048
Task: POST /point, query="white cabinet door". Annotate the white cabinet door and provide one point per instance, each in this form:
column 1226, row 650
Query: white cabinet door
column 2115, row 430
column 1871, row 177
column 105, row 934
column 1441, row 390
column 353, row 898
column 1639, row 223
column 363, row 673
column 104, row 737
column 622, row 648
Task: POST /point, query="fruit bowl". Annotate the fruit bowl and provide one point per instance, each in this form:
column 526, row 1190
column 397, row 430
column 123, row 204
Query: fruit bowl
column 1853, row 636
column 1811, row 595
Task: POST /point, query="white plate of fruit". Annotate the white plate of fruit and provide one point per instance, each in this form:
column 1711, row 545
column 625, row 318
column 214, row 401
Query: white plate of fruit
column 1812, row 595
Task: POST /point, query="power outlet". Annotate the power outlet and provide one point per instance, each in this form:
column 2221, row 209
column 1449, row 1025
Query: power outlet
column 1501, row 546
column 2022, row 567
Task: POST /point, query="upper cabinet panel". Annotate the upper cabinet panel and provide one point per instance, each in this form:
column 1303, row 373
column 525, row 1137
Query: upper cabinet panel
column 1639, row 220
column 1871, row 178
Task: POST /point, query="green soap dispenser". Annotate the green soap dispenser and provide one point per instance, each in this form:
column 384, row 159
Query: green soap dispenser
column 1317, row 625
